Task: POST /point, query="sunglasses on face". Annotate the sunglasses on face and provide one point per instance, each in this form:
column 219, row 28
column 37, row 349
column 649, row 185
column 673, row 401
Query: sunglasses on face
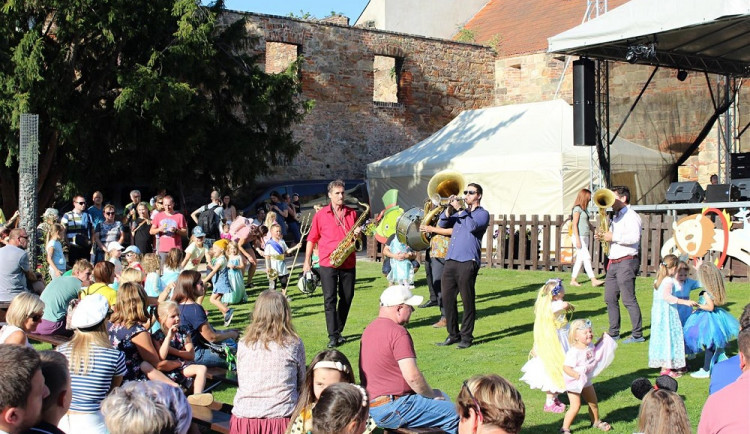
column 109, row 213
column 36, row 318
column 468, row 192
column 81, row 203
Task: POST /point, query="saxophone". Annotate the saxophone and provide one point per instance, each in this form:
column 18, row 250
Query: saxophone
column 350, row 242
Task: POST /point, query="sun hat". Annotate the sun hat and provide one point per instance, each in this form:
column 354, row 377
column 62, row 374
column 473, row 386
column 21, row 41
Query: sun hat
column 198, row 232
column 399, row 294
column 50, row 212
column 133, row 249
column 114, row 245
column 90, row 311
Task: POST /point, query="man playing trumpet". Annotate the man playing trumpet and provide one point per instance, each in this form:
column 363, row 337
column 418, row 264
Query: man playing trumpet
column 462, row 262
column 625, row 238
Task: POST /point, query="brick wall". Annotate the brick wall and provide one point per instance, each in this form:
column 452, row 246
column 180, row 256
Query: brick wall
column 346, row 129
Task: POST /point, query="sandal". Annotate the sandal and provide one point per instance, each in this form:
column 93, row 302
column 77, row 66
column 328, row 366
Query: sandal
column 601, row 425
column 564, row 431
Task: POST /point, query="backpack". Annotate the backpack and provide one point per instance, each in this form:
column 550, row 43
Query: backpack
column 209, row 221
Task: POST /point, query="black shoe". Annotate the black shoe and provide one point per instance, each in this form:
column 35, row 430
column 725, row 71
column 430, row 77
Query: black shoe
column 463, row 345
column 340, row 340
column 333, row 343
column 429, row 303
column 448, row 341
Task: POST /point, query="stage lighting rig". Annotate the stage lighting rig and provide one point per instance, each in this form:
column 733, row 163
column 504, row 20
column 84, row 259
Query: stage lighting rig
column 640, row 51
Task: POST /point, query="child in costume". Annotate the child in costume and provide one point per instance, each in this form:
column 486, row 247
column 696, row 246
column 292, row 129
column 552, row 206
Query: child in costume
column 275, row 252
column 682, row 287
column 326, row 368
column 236, row 266
column 710, row 327
column 544, row 370
column 402, row 270
column 666, row 348
column 219, row 277
column 583, row 362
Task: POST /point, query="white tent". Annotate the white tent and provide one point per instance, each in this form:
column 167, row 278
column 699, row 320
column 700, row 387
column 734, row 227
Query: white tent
column 522, row 156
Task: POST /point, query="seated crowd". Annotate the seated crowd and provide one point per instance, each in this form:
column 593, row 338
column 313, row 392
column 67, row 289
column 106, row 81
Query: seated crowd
column 140, row 344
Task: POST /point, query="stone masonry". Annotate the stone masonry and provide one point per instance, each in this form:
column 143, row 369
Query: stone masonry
column 346, row 129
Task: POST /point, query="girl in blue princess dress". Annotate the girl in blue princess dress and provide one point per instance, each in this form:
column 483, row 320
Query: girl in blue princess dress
column 710, row 327
column 666, row 348
column 682, row 287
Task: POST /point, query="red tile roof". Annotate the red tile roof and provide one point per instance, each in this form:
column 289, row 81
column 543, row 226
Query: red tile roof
column 523, row 26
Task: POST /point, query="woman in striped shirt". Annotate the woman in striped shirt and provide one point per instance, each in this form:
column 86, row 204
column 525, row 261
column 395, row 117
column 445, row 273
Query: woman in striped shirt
column 95, row 366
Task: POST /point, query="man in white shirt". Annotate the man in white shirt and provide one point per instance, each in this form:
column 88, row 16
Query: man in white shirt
column 625, row 238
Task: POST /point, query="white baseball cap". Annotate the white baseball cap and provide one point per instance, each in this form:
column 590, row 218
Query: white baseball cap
column 92, row 310
column 399, row 294
column 114, row 245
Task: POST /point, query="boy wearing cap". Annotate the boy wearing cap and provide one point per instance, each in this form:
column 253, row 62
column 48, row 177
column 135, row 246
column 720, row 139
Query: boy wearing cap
column 388, row 370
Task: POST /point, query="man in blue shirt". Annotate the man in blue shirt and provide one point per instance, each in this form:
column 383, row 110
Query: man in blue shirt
column 462, row 262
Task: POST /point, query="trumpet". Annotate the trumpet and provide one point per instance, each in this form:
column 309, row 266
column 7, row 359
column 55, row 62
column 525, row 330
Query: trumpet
column 603, row 199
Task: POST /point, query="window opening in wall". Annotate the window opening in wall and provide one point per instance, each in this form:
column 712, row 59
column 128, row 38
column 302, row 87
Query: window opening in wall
column 386, row 73
column 279, row 56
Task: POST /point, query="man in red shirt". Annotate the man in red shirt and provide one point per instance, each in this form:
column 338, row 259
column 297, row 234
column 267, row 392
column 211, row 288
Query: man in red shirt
column 399, row 394
column 170, row 226
column 329, row 226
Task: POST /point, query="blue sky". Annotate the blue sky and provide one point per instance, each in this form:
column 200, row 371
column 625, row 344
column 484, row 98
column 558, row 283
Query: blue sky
column 318, row 8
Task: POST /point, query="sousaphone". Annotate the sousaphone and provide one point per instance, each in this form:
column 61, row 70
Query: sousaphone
column 441, row 187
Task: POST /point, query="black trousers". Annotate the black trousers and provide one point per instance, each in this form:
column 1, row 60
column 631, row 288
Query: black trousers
column 337, row 283
column 459, row 278
column 437, row 265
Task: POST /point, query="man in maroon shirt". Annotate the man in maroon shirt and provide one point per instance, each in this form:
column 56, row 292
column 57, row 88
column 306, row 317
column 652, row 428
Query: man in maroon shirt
column 399, row 394
column 329, row 226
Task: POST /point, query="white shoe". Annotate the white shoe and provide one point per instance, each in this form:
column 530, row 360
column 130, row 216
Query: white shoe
column 700, row 374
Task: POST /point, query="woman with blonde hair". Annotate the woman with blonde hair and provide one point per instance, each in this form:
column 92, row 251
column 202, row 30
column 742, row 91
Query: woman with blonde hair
column 23, row 316
column 129, row 335
column 581, row 233
column 270, row 369
column 95, row 366
column 489, row 403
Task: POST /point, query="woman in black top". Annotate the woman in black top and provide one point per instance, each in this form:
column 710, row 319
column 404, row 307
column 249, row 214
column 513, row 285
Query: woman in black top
column 140, row 229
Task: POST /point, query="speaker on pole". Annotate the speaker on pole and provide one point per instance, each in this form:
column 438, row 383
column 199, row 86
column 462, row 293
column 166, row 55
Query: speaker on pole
column 584, row 107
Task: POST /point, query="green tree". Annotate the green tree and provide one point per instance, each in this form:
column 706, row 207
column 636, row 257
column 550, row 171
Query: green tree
column 135, row 91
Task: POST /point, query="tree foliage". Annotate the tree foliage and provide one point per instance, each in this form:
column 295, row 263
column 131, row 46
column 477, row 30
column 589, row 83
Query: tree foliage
column 134, row 91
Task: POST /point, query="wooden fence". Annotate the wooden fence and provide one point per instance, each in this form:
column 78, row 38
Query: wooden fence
column 537, row 243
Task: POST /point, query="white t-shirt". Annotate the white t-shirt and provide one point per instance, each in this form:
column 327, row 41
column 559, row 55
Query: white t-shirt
column 194, row 253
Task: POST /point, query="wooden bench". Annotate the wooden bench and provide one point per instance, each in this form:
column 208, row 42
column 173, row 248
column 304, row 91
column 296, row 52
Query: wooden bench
column 214, row 417
column 220, row 375
column 54, row 340
column 414, row 431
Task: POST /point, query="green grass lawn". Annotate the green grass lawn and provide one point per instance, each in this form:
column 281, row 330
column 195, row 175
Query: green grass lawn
column 503, row 338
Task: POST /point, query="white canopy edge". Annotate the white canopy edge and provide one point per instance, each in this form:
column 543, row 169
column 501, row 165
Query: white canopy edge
column 639, row 18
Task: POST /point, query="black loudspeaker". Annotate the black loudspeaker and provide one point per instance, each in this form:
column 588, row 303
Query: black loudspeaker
column 740, row 165
column 722, row 193
column 584, row 107
column 743, row 185
column 684, row 192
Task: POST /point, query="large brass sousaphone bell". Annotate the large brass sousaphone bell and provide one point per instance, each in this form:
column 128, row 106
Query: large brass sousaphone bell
column 442, row 185
column 603, row 199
